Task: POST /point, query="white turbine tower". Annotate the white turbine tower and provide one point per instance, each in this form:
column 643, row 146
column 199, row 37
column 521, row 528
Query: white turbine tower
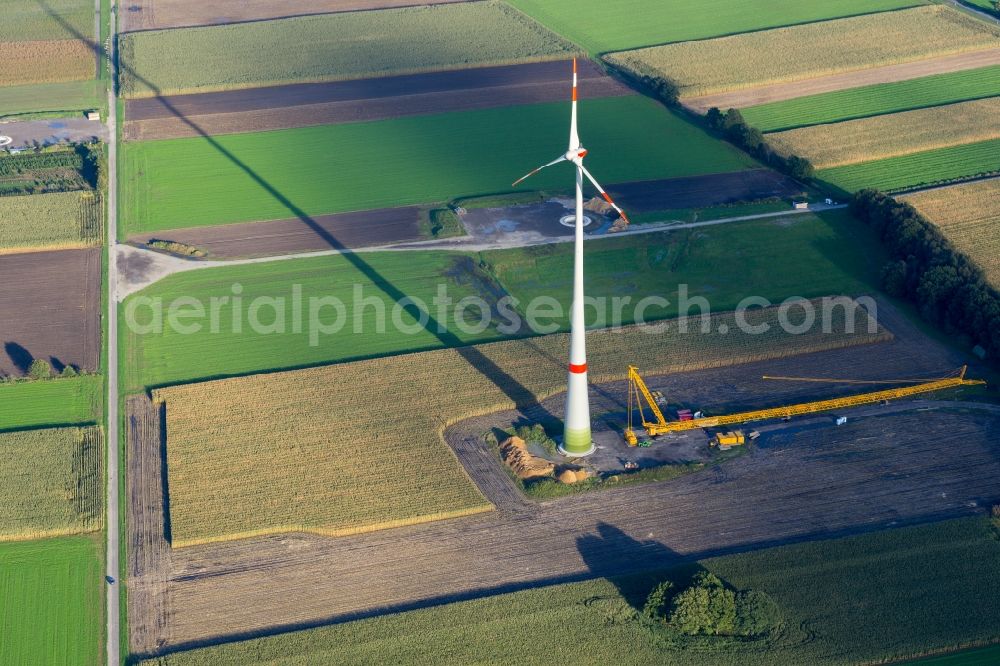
column 576, row 434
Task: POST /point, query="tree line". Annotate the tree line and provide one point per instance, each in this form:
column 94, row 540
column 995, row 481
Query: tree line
column 730, row 126
column 925, row 268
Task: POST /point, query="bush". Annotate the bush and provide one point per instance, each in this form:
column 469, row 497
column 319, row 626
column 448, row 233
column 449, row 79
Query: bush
column 40, row 369
column 708, row 607
column 658, row 602
column 68, row 371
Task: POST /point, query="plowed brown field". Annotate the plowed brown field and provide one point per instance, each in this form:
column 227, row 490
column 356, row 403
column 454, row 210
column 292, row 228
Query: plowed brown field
column 49, row 307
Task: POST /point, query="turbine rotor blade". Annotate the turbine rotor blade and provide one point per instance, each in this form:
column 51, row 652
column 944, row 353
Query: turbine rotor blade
column 604, row 194
column 561, row 158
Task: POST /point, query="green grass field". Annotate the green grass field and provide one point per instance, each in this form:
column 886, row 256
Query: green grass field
column 29, row 20
column 920, row 169
column 334, row 46
column 801, row 256
column 602, row 26
column 55, row 402
column 988, row 5
column 173, row 357
column 864, row 599
column 50, row 483
column 52, row 610
column 75, row 96
column 336, row 168
column 875, row 100
column 808, row 256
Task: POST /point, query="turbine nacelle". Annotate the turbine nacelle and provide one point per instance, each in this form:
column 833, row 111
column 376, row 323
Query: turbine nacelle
column 575, row 156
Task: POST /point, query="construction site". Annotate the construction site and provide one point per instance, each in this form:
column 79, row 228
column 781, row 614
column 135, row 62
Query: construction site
column 644, row 425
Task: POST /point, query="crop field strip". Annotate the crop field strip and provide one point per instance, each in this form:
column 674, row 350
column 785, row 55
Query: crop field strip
column 885, row 572
column 37, row 48
column 56, row 297
column 218, row 430
column 812, row 50
column 160, row 14
column 55, row 402
column 893, row 135
column 909, row 172
column 257, row 239
column 58, row 220
column 969, row 215
column 810, row 256
column 778, row 94
column 51, row 483
column 948, row 460
column 53, row 599
column 67, row 96
column 332, row 47
column 876, row 100
column 307, row 104
column 628, row 24
column 422, row 159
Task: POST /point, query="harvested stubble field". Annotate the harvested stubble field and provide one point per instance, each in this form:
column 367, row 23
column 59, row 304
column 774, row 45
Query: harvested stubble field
column 160, row 14
column 627, row 24
column 969, row 215
column 350, row 469
column 179, row 183
column 893, row 135
column 55, row 402
column 51, row 483
column 53, row 602
column 333, row 47
column 45, row 62
column 53, row 220
column 53, row 300
column 875, row 100
column 909, row 172
column 886, row 573
column 812, row 50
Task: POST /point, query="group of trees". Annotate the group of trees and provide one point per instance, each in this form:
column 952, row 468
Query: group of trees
column 708, row 607
column 948, row 288
column 732, row 125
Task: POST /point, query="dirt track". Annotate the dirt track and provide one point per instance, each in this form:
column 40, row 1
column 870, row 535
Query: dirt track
column 299, row 105
column 808, row 479
column 157, row 14
column 257, row 239
column 50, row 303
column 740, row 99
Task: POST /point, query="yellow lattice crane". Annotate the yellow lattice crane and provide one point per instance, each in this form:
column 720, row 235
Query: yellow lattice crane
column 637, row 393
column 638, row 389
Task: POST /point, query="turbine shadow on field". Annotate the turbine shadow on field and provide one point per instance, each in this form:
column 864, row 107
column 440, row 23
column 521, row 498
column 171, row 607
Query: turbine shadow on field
column 519, row 394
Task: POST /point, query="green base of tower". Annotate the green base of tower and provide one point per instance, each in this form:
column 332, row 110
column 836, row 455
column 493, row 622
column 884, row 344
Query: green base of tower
column 577, row 443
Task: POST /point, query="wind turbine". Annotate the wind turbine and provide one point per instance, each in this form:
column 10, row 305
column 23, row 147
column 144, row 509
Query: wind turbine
column 576, row 434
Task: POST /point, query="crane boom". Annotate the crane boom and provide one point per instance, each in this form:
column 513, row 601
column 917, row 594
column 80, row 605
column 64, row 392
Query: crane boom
column 662, row 427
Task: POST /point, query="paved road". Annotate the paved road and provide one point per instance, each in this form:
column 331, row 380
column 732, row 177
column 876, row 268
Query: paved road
column 112, row 568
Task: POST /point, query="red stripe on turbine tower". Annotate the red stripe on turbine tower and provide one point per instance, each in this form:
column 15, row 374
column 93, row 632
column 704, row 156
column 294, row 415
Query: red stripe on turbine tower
column 578, row 369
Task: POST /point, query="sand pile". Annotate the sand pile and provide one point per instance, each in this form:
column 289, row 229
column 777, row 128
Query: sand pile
column 573, row 476
column 514, row 452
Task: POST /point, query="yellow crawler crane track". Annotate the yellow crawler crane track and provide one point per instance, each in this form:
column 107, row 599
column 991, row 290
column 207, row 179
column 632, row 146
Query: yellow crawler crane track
column 654, row 429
